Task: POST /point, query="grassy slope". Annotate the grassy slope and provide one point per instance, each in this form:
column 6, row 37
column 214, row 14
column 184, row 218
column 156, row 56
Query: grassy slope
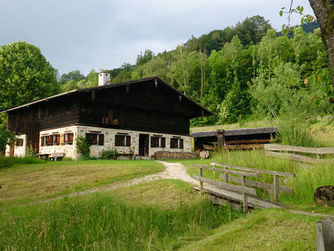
column 25, row 183
column 263, row 230
column 306, row 181
column 162, row 215
column 248, row 124
column 136, row 218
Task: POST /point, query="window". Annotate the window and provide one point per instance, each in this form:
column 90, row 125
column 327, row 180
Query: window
column 95, row 139
column 19, row 142
column 50, row 140
column 68, row 138
column 158, row 141
column 56, row 139
column 176, row 143
column 122, row 140
column 44, row 140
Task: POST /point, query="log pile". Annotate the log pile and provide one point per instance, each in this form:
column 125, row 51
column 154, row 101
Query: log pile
column 174, row 155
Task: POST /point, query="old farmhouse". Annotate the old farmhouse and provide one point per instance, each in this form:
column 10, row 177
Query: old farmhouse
column 137, row 118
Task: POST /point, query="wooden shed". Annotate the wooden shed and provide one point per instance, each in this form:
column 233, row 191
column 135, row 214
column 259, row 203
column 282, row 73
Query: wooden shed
column 246, row 138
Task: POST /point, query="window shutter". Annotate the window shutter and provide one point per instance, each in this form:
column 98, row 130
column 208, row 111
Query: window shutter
column 163, row 142
column 101, row 139
column 128, row 140
column 181, row 143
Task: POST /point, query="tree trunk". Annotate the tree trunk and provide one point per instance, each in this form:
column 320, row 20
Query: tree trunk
column 324, row 11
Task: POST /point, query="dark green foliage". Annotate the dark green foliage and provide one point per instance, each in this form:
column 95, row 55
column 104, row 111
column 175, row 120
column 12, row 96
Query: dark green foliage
column 11, row 161
column 104, row 222
column 83, row 147
column 144, row 58
column 25, row 75
column 73, row 75
column 6, row 137
column 110, row 154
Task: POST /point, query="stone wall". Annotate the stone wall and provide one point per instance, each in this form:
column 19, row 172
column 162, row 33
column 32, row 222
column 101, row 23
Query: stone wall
column 109, row 141
column 70, row 151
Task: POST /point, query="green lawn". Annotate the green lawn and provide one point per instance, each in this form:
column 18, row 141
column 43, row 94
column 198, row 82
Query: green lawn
column 27, row 183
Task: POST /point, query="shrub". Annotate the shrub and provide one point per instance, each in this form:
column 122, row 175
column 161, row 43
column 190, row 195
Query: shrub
column 83, row 146
column 30, row 152
column 110, row 154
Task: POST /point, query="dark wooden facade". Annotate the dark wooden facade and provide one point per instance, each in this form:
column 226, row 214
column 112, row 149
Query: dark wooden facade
column 144, row 105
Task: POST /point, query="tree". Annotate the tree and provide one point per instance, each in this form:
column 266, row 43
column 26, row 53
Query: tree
column 73, row 75
column 324, row 11
column 143, row 59
column 25, row 75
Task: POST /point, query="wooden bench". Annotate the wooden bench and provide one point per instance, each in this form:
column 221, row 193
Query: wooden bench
column 55, row 156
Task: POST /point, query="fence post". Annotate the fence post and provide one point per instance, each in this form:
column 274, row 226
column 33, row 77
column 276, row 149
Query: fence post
column 201, row 182
column 244, row 195
column 226, row 175
column 276, row 188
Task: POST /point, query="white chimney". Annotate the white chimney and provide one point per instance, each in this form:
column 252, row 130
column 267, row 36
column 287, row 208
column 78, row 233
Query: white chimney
column 104, row 78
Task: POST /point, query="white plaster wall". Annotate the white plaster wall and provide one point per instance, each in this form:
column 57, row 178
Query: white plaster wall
column 19, row 151
column 69, row 150
column 7, row 151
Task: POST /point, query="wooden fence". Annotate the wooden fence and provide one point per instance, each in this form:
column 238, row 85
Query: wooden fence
column 230, row 173
column 293, row 153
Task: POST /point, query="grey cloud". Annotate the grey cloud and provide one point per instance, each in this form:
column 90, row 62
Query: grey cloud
column 86, row 34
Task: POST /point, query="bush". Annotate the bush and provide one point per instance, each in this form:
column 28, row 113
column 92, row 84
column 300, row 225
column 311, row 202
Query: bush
column 83, row 147
column 110, row 154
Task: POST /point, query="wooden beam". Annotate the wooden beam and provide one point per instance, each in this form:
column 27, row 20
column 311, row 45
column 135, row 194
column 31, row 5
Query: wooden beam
column 249, row 174
column 254, row 170
column 276, row 188
column 225, row 186
column 259, row 184
column 299, row 149
column 292, row 157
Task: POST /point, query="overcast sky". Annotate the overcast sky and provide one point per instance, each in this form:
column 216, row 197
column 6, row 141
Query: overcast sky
column 103, row 34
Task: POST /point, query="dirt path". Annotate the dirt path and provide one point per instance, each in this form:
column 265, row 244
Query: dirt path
column 172, row 171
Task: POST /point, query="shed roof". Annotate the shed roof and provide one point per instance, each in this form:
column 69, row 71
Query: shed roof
column 236, row 132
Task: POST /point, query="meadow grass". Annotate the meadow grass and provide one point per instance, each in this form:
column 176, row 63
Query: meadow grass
column 6, row 162
column 268, row 229
column 243, row 124
column 163, row 193
column 304, row 184
column 31, row 182
column 105, row 222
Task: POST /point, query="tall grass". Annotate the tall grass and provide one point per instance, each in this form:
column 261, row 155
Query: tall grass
column 104, row 222
column 296, row 133
column 11, row 161
column 304, row 184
